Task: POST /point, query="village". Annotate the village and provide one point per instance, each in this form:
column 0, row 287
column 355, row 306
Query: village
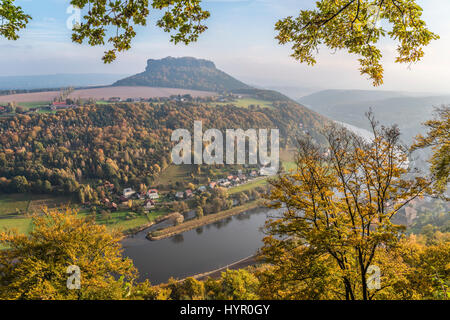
column 152, row 198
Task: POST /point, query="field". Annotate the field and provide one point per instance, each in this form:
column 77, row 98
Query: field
column 246, row 102
column 104, row 93
column 174, row 174
column 122, row 220
column 29, row 203
column 22, row 225
column 34, row 104
column 259, row 182
column 14, row 209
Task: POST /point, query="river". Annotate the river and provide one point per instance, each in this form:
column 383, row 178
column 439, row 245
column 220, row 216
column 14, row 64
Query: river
column 200, row 250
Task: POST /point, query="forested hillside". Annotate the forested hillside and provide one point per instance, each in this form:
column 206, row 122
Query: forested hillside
column 126, row 144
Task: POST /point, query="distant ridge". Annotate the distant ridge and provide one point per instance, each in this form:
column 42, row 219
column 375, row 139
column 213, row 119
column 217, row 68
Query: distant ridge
column 333, row 96
column 48, row 81
column 184, row 73
column 389, row 107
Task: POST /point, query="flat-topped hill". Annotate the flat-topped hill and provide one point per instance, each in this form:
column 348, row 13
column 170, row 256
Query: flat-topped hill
column 184, row 73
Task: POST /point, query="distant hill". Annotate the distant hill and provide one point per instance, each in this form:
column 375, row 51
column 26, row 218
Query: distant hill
column 408, row 112
column 294, row 92
column 332, row 97
column 350, row 106
column 184, row 73
column 57, row 81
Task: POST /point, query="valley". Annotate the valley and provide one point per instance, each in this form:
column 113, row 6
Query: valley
column 106, row 153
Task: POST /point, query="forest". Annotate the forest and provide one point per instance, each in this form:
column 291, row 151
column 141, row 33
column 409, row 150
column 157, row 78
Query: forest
column 126, row 143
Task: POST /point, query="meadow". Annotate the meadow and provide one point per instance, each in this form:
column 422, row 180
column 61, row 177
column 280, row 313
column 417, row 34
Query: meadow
column 246, row 103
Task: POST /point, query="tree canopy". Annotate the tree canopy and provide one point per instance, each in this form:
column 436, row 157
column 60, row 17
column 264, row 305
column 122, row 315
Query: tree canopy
column 438, row 138
column 36, row 266
column 338, row 207
column 355, row 26
column 12, row 19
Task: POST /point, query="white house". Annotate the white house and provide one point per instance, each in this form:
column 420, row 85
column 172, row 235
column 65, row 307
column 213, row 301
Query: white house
column 128, row 192
column 179, row 195
column 153, row 194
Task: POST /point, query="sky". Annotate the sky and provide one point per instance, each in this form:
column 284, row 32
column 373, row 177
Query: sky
column 241, row 41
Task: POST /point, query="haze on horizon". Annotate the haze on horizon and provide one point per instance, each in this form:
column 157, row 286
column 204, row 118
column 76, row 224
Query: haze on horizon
column 240, row 40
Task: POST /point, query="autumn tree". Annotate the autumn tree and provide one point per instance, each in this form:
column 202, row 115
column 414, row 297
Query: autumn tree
column 428, row 273
column 231, row 285
column 183, row 18
column 12, row 19
column 188, row 289
column 238, row 285
column 36, row 266
column 438, row 138
column 336, row 214
column 354, row 26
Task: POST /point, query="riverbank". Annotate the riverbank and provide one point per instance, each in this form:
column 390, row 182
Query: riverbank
column 215, row 274
column 193, row 224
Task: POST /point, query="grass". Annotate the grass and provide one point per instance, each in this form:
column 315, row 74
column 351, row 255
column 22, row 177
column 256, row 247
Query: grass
column 289, row 165
column 102, row 102
column 119, row 220
column 29, row 203
column 173, row 174
column 248, row 186
column 24, row 204
column 22, row 225
column 246, row 102
column 34, row 104
column 13, row 203
column 182, row 174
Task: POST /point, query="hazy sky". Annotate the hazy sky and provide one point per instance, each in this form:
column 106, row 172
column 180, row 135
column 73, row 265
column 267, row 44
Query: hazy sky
column 240, row 40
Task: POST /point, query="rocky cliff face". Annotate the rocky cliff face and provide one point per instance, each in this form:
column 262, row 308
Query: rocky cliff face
column 186, row 62
column 184, row 73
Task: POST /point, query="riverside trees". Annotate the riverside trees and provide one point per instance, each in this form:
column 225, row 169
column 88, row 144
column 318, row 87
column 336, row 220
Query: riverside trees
column 337, row 220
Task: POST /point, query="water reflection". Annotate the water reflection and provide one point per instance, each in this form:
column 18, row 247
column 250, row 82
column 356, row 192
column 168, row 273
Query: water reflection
column 200, row 250
column 178, row 238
